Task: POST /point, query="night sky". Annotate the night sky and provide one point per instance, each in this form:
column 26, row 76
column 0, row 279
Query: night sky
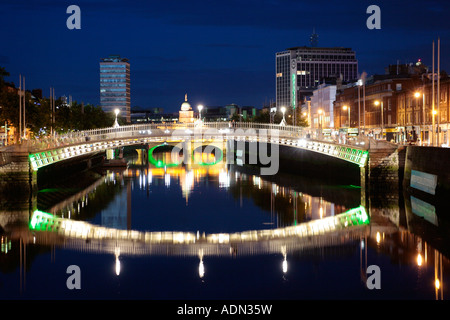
column 219, row 52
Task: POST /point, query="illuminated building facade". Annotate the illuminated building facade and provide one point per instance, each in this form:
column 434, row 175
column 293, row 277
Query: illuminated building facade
column 300, row 70
column 115, row 85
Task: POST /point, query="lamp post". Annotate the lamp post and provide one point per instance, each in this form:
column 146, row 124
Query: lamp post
column 116, row 112
column 345, row 108
column 433, row 114
column 417, row 95
column 359, row 83
column 283, row 110
column 320, row 111
column 377, row 103
column 200, row 108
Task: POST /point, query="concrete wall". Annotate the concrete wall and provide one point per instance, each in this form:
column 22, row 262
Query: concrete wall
column 431, row 160
column 17, row 180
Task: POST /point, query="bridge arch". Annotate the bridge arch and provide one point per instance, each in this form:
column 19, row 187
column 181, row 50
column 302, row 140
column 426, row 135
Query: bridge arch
column 197, row 154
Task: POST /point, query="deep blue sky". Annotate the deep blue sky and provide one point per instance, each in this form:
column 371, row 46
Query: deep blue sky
column 219, row 52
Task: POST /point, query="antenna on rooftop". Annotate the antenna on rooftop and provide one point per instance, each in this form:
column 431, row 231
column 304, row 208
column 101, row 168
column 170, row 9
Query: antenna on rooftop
column 314, row 39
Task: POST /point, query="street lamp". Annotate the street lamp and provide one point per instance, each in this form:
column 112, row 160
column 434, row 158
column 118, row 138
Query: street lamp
column 377, row 103
column 200, row 107
column 116, row 112
column 433, row 130
column 320, row 111
column 417, row 95
column 283, row 110
column 359, row 83
column 345, row 108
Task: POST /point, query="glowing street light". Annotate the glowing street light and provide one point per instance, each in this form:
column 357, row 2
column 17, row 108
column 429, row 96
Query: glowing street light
column 116, row 112
column 283, row 110
column 377, row 103
column 200, row 108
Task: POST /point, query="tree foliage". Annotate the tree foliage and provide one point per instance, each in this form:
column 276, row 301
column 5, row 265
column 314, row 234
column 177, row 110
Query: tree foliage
column 38, row 113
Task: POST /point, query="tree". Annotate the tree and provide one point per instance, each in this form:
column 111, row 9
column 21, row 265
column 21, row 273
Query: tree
column 39, row 113
column 3, row 74
column 81, row 117
column 262, row 117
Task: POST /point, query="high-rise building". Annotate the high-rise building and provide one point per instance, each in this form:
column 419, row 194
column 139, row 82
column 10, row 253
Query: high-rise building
column 300, row 70
column 115, row 85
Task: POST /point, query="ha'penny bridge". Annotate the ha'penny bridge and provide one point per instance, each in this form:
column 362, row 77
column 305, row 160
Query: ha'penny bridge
column 99, row 140
column 22, row 162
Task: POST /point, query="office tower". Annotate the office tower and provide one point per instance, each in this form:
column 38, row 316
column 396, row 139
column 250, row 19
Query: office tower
column 300, row 70
column 115, row 85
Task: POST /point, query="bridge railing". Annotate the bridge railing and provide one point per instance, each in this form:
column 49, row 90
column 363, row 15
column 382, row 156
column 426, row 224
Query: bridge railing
column 128, row 131
column 167, row 129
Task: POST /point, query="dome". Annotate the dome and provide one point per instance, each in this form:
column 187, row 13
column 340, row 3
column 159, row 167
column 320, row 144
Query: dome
column 185, row 106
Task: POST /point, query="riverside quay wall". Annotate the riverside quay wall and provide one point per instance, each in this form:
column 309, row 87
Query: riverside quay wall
column 427, row 172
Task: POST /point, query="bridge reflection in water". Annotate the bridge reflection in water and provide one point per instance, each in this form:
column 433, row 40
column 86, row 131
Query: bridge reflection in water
column 67, row 233
column 325, row 228
column 323, row 224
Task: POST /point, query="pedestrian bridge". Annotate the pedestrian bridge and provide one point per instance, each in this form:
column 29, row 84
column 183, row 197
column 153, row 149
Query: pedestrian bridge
column 48, row 151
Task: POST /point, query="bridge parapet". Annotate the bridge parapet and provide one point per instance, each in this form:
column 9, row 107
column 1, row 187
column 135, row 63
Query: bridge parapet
column 130, row 131
column 78, row 143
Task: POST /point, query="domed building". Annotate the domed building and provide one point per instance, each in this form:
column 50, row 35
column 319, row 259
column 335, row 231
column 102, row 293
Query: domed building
column 186, row 114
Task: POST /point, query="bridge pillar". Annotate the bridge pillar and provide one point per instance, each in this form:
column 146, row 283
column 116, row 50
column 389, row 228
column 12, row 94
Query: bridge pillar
column 16, row 175
column 385, row 175
column 142, row 155
column 110, row 154
column 18, row 190
column 363, row 173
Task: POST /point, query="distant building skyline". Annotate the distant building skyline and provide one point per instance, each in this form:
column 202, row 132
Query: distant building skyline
column 115, row 85
column 300, row 70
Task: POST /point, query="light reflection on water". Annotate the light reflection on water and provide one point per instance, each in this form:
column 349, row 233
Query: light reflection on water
column 218, row 200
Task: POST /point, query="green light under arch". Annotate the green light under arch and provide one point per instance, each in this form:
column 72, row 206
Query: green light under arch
column 159, row 163
column 162, row 164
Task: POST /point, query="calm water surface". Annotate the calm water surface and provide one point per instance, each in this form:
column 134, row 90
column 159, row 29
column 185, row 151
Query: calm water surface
column 408, row 242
